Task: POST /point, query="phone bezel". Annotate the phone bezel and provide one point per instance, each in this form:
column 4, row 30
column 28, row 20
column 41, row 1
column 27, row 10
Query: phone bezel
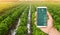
column 36, row 22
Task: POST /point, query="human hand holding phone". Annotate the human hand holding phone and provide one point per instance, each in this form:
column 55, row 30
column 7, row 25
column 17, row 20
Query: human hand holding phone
column 49, row 23
column 44, row 20
column 49, row 29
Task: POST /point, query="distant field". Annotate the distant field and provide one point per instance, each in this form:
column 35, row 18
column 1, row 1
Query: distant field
column 6, row 5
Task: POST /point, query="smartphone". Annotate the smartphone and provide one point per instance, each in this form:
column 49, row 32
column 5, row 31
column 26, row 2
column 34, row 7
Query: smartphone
column 41, row 16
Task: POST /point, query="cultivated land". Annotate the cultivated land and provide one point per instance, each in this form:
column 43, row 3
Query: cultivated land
column 13, row 12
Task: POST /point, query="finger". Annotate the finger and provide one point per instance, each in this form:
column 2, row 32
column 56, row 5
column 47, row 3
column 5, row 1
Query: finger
column 49, row 16
column 35, row 19
column 35, row 22
column 50, row 20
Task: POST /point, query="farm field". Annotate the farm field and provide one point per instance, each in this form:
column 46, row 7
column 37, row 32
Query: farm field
column 14, row 18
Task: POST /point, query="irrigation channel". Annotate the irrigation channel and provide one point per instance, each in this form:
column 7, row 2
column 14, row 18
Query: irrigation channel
column 29, row 22
column 13, row 27
column 12, row 30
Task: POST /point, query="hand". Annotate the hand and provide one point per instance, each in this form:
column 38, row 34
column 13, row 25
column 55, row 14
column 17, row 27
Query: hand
column 49, row 23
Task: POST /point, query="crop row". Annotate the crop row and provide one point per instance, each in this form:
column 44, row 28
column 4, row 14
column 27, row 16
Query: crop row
column 22, row 29
column 9, row 12
column 7, row 22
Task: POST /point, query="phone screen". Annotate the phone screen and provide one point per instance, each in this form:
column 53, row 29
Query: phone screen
column 41, row 16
